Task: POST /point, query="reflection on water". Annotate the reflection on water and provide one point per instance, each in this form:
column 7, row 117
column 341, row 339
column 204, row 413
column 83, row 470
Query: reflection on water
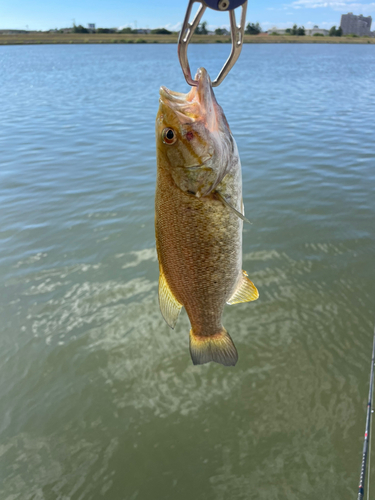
column 99, row 397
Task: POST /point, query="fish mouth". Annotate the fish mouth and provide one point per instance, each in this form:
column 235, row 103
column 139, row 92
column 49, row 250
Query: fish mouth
column 170, row 95
column 198, row 104
column 180, row 105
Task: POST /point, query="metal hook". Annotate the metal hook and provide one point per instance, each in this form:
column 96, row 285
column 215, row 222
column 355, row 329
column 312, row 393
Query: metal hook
column 188, row 29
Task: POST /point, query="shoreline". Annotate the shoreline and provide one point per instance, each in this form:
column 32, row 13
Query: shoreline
column 37, row 38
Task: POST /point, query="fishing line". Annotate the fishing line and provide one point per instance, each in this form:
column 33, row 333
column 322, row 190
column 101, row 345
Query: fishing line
column 369, row 461
column 367, row 441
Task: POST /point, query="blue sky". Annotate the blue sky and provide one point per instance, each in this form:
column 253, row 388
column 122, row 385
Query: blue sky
column 43, row 15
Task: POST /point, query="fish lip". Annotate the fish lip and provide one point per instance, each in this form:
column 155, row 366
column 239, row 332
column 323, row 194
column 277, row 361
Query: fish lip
column 178, row 109
column 199, row 104
column 175, row 97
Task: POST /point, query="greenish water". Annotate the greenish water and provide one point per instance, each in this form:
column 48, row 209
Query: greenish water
column 99, row 398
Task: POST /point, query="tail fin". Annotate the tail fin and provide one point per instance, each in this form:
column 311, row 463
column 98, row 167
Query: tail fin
column 218, row 347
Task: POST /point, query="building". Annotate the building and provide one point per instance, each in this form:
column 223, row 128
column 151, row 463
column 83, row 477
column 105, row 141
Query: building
column 309, row 32
column 91, row 26
column 316, row 30
column 276, row 30
column 356, row 25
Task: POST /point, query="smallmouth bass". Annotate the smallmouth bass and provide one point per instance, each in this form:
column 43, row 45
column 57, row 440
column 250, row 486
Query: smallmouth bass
column 198, row 219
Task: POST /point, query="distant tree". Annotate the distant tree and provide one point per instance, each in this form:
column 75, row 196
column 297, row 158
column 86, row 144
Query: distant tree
column 126, row 30
column 300, row 30
column 332, row 31
column 253, row 29
column 335, row 32
column 79, row 29
column 106, row 30
column 219, row 31
column 201, row 29
column 161, row 31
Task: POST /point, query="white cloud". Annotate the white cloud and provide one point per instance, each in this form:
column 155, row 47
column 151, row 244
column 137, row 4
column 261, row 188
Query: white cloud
column 342, row 5
column 169, row 26
column 280, row 26
column 309, row 24
column 173, row 27
column 129, row 25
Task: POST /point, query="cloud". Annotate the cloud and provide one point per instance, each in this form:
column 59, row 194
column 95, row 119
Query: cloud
column 129, row 25
column 289, row 24
column 173, row 27
column 169, row 26
column 282, row 26
column 341, row 6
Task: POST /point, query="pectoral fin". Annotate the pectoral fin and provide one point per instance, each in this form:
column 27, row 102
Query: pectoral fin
column 169, row 306
column 241, row 216
column 245, row 291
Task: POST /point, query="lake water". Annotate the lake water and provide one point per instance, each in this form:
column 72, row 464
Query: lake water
column 99, row 398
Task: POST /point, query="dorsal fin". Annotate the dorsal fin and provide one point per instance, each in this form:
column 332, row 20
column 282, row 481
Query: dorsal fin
column 169, row 306
column 245, row 290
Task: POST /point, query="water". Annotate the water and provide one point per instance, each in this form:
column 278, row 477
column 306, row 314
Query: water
column 99, row 398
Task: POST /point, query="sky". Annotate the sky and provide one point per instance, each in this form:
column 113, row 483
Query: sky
column 45, row 15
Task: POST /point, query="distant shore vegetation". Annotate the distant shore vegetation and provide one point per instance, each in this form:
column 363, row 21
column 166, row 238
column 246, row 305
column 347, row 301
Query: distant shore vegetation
column 335, row 32
column 127, row 30
column 296, row 31
column 78, row 34
column 253, row 29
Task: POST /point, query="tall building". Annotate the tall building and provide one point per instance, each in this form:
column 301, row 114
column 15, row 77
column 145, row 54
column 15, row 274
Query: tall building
column 356, row 25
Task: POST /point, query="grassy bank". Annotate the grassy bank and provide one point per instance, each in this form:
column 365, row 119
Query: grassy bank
column 66, row 38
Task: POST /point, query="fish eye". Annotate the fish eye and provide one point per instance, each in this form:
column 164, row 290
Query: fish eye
column 169, row 136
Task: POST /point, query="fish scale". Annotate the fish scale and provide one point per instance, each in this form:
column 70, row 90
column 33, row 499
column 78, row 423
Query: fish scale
column 196, row 252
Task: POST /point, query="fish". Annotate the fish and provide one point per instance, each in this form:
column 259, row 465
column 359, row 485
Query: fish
column 199, row 215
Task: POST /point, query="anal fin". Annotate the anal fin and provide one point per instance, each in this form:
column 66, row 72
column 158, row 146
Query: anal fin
column 169, row 306
column 245, row 291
